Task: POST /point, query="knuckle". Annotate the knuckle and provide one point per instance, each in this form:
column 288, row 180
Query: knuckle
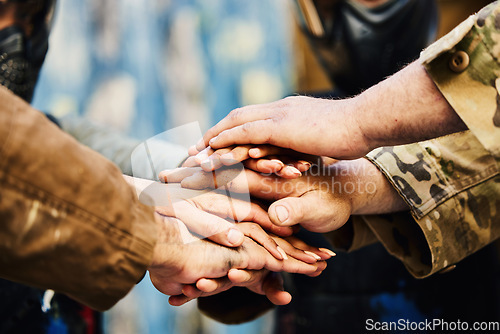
column 235, row 114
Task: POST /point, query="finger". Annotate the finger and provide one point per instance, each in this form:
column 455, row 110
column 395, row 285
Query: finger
column 236, row 117
column 269, row 187
column 214, row 161
column 255, row 132
column 293, row 265
column 317, row 253
column 191, row 291
column 302, row 165
column 208, row 225
column 242, row 277
column 261, row 282
column 239, row 210
column 314, row 211
column 211, row 286
column 256, row 232
column 274, row 290
column 204, row 154
column 190, row 162
column 289, row 172
column 235, row 178
column 178, row 174
column 237, row 154
column 297, row 253
column 267, row 150
column 264, row 165
column 192, row 150
column 178, row 300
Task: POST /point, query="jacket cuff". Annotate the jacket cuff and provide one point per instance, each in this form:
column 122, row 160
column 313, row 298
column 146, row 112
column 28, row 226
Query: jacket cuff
column 444, row 181
column 464, row 66
column 354, row 235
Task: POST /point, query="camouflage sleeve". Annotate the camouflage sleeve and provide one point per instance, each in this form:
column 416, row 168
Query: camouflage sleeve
column 452, row 185
column 465, row 66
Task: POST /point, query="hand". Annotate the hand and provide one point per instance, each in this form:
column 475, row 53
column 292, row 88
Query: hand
column 321, row 200
column 348, row 128
column 261, row 281
column 203, row 213
column 176, row 263
column 309, row 125
column 262, row 158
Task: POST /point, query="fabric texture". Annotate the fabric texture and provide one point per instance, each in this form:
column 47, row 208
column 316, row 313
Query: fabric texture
column 70, row 221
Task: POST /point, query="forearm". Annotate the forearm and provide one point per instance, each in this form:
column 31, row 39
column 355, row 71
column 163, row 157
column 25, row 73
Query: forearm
column 405, row 108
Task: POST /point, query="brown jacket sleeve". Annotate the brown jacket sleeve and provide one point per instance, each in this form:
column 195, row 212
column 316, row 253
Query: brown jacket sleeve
column 68, row 219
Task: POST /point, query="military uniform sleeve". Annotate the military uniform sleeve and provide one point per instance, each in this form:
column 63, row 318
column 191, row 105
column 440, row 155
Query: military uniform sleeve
column 69, row 220
column 452, row 186
column 465, row 67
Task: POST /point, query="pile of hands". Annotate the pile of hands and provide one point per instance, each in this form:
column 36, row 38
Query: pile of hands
column 201, row 253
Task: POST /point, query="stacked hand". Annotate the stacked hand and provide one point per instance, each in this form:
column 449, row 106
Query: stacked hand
column 321, row 200
column 186, row 267
column 177, row 265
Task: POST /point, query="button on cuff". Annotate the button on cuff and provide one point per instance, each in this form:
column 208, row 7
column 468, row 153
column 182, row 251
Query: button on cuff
column 459, row 61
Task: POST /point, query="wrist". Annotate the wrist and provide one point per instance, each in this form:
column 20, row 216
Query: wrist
column 405, row 108
column 168, row 242
column 375, row 194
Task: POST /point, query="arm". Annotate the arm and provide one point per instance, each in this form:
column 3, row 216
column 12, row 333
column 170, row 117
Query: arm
column 69, row 221
column 453, row 86
column 347, row 128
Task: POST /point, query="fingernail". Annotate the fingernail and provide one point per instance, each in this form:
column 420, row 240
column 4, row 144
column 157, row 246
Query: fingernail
column 228, row 157
column 212, row 140
column 201, row 157
column 192, row 148
column 234, row 236
column 200, row 143
column 282, row 252
column 307, row 163
column 206, row 162
column 281, row 213
column 316, row 256
column 254, row 152
column 327, row 251
column 278, row 162
column 294, row 171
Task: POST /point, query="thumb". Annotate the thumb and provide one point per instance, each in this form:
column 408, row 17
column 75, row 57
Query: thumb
column 315, row 211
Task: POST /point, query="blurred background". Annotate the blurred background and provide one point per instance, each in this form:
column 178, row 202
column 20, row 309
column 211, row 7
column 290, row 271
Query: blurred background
column 143, row 67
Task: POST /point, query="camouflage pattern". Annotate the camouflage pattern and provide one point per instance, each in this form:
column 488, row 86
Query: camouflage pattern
column 474, row 92
column 452, row 183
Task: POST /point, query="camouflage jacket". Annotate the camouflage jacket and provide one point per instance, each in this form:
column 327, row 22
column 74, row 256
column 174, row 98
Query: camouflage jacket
column 452, row 183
